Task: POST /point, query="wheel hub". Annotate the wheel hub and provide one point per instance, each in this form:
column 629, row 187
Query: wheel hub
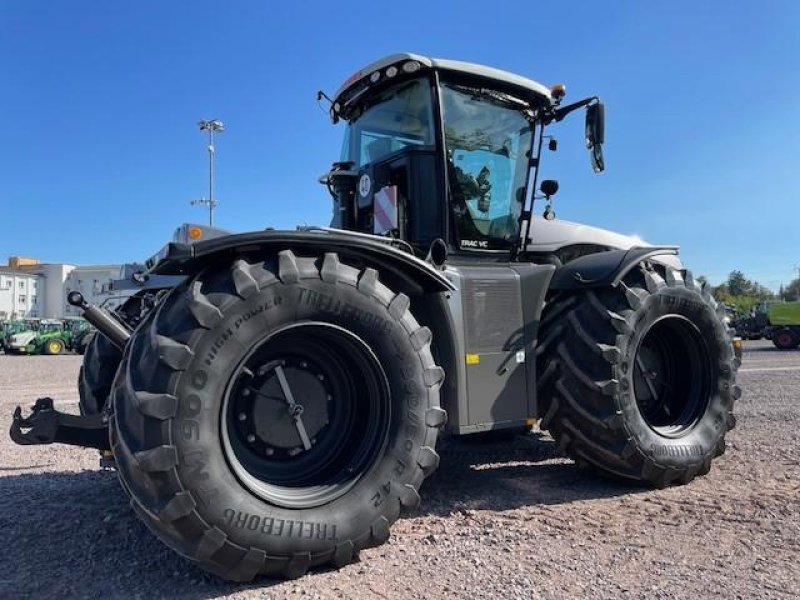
column 268, row 421
column 306, row 414
column 672, row 376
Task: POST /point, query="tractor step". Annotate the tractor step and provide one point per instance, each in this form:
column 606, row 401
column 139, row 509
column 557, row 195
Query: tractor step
column 46, row 425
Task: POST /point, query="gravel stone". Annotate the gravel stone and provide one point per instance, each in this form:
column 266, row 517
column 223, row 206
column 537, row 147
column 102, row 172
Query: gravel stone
column 500, row 518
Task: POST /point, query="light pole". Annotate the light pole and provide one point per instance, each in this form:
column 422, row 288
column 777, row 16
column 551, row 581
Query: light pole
column 211, row 126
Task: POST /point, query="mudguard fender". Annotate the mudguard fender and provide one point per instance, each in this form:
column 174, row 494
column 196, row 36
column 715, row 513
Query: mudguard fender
column 604, row 269
column 414, row 275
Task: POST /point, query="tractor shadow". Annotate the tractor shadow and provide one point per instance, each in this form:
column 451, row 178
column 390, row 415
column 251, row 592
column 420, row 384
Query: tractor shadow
column 74, row 535
column 504, row 471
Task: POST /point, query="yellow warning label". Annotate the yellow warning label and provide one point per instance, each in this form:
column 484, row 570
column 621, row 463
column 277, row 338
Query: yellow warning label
column 473, row 359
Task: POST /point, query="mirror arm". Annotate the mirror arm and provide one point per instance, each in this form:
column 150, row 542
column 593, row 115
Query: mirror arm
column 563, row 111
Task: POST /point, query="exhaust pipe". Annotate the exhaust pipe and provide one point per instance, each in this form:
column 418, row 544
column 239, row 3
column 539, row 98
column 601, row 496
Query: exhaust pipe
column 105, row 323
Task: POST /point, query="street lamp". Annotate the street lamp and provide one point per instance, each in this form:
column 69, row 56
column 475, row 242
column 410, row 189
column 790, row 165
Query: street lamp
column 211, row 126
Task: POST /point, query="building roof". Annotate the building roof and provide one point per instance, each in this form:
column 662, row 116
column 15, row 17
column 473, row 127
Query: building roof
column 19, row 273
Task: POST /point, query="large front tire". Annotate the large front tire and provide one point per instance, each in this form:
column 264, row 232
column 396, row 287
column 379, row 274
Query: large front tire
column 245, row 500
column 639, row 380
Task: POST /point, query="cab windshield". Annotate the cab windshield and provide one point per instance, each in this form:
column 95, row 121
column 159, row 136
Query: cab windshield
column 488, row 136
column 399, row 117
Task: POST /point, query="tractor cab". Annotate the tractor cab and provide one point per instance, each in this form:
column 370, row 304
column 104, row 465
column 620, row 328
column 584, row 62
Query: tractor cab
column 443, row 151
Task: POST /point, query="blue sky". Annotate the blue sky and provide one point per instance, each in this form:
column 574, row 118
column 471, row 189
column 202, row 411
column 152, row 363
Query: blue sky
column 100, row 152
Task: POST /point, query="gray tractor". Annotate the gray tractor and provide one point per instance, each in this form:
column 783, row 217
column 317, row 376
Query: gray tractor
column 278, row 407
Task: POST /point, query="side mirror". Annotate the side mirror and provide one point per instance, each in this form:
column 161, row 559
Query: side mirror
column 595, row 134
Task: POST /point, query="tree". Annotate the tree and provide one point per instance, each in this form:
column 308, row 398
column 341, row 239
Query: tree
column 792, row 291
column 721, row 293
column 742, row 293
column 738, row 284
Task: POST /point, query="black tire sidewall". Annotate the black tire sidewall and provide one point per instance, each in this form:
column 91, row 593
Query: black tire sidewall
column 101, row 360
column 790, row 336
column 700, row 441
column 203, row 469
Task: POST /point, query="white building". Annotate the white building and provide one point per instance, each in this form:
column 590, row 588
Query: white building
column 55, row 299
column 32, row 289
column 93, row 282
column 20, row 294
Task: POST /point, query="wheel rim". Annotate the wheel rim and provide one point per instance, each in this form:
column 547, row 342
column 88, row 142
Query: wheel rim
column 672, row 376
column 54, row 347
column 784, row 338
column 305, row 415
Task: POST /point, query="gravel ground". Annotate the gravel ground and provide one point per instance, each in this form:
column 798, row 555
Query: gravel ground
column 500, row 518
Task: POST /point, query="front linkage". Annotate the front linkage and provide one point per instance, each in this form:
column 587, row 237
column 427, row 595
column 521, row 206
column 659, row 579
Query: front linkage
column 45, row 424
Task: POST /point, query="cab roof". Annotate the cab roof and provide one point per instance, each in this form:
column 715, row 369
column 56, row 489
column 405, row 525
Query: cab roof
column 522, row 85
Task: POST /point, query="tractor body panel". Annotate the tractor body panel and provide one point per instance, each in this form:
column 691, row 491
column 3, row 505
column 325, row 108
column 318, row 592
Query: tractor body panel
column 495, row 312
column 568, row 240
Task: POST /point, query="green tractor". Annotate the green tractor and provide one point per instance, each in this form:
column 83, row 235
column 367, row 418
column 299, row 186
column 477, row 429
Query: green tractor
column 278, row 406
column 783, row 324
column 10, row 328
column 48, row 336
column 777, row 321
column 82, row 338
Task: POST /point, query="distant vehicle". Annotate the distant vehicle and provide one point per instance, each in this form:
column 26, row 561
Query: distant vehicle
column 10, row 328
column 50, row 336
column 777, row 321
column 752, row 326
column 784, row 324
column 81, row 338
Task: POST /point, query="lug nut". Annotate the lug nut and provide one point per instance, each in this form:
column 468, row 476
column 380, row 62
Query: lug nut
column 242, row 417
column 251, row 438
column 269, row 451
column 246, row 392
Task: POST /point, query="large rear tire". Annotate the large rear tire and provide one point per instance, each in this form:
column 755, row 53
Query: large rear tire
column 207, row 438
column 639, row 380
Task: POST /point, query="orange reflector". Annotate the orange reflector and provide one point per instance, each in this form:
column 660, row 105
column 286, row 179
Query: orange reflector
column 195, row 233
column 473, row 359
column 559, row 90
